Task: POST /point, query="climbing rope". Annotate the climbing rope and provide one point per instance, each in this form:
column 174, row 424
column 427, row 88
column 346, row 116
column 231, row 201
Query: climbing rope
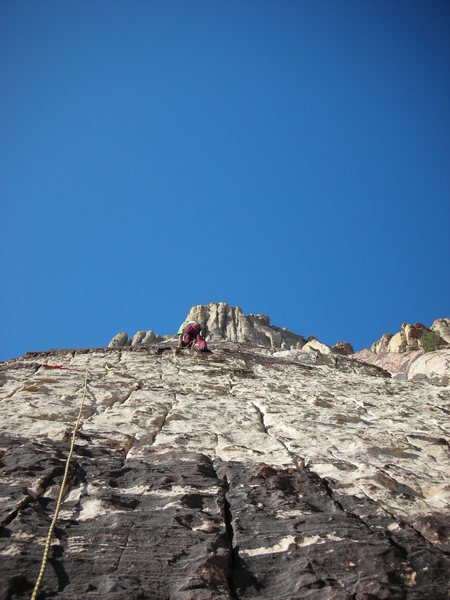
column 60, row 497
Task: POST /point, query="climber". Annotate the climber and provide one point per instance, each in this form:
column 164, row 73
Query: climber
column 189, row 332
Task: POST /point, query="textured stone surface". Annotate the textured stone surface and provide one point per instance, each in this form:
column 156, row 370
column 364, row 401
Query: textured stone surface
column 314, row 344
column 393, row 362
column 344, row 348
column 244, row 473
column 120, row 339
column 433, row 366
column 407, row 339
column 442, row 327
column 413, row 333
column 382, row 344
column 220, row 321
column 397, row 343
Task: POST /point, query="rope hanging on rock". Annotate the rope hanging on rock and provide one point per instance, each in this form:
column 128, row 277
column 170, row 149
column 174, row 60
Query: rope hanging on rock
column 60, row 497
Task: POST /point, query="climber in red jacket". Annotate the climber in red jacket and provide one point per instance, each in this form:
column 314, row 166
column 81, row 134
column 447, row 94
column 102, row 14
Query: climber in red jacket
column 189, row 332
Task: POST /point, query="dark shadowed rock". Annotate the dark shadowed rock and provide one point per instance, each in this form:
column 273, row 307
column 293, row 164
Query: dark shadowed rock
column 344, row 348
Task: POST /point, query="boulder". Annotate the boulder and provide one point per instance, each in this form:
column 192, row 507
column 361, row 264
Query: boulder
column 413, row 333
column 119, row 340
column 344, row 348
column 398, row 342
column 442, row 327
column 138, row 337
column 314, row 345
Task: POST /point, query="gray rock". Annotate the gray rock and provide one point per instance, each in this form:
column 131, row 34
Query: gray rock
column 138, row 337
column 119, row 340
column 407, row 339
column 442, row 327
column 237, row 474
column 382, row 344
column 434, row 366
column 220, row 321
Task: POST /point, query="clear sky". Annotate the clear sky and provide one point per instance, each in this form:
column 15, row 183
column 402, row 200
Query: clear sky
column 289, row 157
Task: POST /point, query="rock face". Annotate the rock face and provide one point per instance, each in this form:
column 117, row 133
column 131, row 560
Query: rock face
column 442, row 327
column 140, row 338
column 408, row 338
column 220, row 321
column 394, row 362
column 401, row 354
column 434, row 366
column 245, row 473
column 344, row 348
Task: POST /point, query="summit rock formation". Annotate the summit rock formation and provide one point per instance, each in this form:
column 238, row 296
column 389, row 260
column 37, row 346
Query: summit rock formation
column 250, row 472
column 220, row 321
column 395, row 353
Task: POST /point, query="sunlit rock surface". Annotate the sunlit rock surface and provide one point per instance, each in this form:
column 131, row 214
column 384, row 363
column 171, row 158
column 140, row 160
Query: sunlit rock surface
column 434, row 366
column 408, row 338
column 394, row 362
column 220, row 322
column 442, row 327
column 245, row 473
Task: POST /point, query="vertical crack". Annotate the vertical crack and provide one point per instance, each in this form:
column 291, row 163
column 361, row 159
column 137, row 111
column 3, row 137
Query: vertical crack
column 229, row 536
column 387, row 534
column 261, row 418
column 162, row 422
column 299, row 462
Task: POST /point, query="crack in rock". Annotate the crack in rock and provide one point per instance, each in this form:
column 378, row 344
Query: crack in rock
column 233, row 551
column 261, row 418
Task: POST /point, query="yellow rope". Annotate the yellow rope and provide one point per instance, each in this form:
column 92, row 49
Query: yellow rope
column 61, row 494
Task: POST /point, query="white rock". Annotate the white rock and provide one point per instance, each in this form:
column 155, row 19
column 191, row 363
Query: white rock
column 138, row 337
column 397, row 342
column 382, row 344
column 442, row 327
column 432, row 365
column 120, row 339
column 316, row 345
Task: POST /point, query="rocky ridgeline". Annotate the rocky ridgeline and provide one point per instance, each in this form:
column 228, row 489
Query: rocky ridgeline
column 220, row 321
column 401, row 354
column 247, row 473
column 415, row 352
column 411, row 337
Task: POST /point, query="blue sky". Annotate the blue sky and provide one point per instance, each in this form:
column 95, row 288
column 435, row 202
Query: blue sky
column 291, row 158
